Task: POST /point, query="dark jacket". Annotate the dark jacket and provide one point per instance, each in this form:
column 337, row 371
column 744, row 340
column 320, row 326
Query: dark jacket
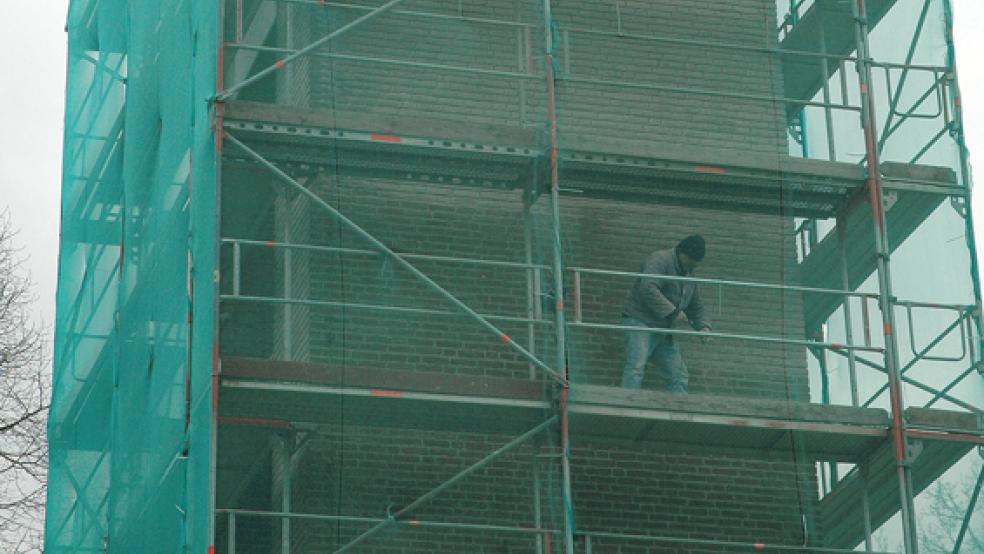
column 657, row 301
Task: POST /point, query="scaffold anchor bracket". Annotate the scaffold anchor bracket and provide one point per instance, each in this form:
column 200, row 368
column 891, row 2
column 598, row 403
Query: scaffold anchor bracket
column 913, row 450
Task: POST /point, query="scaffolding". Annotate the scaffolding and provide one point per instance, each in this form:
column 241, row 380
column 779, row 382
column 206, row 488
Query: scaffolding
column 347, row 276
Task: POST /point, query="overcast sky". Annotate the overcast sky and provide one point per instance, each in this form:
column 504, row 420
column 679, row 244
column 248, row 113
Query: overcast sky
column 31, row 100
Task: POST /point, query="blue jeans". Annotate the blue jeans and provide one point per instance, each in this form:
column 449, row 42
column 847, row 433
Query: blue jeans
column 641, row 346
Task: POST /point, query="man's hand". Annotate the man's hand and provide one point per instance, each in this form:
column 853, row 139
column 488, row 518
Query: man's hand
column 681, row 319
column 705, row 339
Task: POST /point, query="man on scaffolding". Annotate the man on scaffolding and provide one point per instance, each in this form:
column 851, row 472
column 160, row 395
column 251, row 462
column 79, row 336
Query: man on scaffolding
column 663, row 304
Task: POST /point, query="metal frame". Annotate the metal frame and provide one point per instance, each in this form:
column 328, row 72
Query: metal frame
column 558, row 369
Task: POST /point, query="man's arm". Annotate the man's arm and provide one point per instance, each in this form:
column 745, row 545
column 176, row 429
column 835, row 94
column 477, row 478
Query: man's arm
column 696, row 313
column 650, row 290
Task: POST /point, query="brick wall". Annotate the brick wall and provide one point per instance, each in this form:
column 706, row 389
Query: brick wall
column 295, row 30
column 653, row 489
column 498, row 45
column 661, row 489
column 628, row 107
column 475, row 224
column 292, row 322
column 635, row 488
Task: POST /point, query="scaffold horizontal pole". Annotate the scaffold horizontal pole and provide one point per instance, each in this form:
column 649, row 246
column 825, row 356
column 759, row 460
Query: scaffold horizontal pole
column 730, row 336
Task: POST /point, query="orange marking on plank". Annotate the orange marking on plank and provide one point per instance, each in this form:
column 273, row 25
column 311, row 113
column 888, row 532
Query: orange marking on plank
column 887, row 329
column 269, row 243
column 386, row 393
column 505, row 338
column 836, row 345
column 279, row 64
column 710, row 169
column 759, row 546
column 385, row 138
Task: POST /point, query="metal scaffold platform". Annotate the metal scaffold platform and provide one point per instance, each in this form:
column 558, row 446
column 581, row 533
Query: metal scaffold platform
column 292, row 393
column 502, row 157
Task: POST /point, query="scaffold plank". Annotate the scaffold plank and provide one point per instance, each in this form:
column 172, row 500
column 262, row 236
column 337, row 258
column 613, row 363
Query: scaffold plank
column 314, row 393
column 504, row 157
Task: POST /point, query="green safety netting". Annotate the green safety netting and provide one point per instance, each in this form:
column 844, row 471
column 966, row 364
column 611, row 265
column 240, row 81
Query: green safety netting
column 364, row 289
column 130, row 428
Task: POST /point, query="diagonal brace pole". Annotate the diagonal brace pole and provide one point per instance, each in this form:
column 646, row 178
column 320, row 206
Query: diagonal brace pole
column 397, row 258
column 969, row 513
column 893, row 104
column 224, row 95
column 942, row 394
column 937, row 394
column 392, row 518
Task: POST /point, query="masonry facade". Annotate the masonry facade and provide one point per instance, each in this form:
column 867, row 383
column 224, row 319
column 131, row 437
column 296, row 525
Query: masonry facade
column 625, row 486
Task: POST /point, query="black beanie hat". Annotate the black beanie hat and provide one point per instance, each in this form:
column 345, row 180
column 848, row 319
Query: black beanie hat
column 692, row 246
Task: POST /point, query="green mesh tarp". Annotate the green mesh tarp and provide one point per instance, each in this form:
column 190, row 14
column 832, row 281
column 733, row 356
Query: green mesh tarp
column 131, row 427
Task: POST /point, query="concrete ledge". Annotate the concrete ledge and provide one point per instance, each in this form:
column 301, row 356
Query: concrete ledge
column 400, row 126
column 960, row 422
column 728, row 405
column 381, row 379
column 267, row 391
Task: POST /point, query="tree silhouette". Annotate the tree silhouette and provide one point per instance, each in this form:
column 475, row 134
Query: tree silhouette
column 948, row 503
column 24, row 399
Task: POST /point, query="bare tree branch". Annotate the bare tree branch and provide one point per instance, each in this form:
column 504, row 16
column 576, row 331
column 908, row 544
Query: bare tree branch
column 24, row 400
column 949, row 501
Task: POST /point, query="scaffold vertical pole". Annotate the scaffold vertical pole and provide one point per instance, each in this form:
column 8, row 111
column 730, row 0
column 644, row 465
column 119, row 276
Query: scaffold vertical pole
column 218, row 111
column 558, row 274
column 865, row 505
column 288, row 286
column 885, row 297
column 537, row 503
column 848, row 318
column 231, row 548
column 532, row 287
column 285, row 444
column 828, row 115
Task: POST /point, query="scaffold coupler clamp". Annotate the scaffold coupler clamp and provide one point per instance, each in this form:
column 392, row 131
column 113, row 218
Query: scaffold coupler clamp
column 954, row 128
